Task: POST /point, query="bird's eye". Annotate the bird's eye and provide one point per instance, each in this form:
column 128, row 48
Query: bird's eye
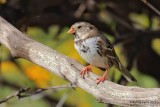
column 79, row 27
column 91, row 27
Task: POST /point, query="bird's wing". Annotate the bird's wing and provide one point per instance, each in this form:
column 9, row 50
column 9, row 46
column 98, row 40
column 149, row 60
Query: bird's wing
column 108, row 50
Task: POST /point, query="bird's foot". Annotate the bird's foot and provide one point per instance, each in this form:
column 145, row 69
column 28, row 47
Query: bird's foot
column 102, row 79
column 85, row 70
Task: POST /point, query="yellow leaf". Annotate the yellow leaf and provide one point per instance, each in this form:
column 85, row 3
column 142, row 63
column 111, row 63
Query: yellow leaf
column 40, row 76
column 8, row 66
column 156, row 45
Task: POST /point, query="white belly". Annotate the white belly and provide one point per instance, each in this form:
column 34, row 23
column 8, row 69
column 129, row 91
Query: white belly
column 88, row 51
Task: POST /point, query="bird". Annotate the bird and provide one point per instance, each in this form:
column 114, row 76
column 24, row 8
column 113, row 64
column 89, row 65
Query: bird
column 96, row 49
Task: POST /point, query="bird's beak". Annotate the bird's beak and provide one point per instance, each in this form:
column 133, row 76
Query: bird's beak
column 71, row 31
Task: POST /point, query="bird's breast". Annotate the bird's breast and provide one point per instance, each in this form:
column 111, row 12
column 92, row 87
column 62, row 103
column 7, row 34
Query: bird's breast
column 89, row 51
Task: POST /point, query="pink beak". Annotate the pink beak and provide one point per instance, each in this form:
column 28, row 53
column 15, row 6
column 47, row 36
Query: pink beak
column 71, row 31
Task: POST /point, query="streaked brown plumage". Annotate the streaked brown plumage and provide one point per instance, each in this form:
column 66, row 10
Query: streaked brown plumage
column 96, row 49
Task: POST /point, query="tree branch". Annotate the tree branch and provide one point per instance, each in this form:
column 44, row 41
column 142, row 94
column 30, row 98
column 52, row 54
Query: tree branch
column 15, row 94
column 22, row 46
column 151, row 6
column 25, row 92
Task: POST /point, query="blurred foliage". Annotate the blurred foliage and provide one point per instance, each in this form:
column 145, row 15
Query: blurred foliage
column 2, row 1
column 130, row 25
column 155, row 45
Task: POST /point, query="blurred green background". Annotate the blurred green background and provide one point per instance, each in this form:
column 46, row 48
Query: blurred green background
column 130, row 25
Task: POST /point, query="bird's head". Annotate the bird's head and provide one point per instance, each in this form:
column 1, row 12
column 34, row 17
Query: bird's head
column 82, row 30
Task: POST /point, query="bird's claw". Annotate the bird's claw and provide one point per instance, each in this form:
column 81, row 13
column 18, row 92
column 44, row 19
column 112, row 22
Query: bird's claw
column 85, row 70
column 101, row 79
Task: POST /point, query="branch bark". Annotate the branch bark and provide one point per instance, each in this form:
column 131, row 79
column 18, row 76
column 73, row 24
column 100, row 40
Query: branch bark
column 22, row 46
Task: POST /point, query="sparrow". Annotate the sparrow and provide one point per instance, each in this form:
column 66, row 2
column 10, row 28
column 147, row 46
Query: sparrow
column 95, row 48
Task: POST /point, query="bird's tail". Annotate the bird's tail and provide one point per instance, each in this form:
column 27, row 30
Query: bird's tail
column 126, row 74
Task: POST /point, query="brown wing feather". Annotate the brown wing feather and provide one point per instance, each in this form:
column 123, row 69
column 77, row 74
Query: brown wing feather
column 113, row 58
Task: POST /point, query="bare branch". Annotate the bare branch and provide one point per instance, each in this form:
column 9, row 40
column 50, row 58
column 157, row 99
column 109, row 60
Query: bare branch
column 51, row 88
column 15, row 94
column 62, row 100
column 78, row 13
column 151, row 6
column 22, row 46
column 25, row 92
